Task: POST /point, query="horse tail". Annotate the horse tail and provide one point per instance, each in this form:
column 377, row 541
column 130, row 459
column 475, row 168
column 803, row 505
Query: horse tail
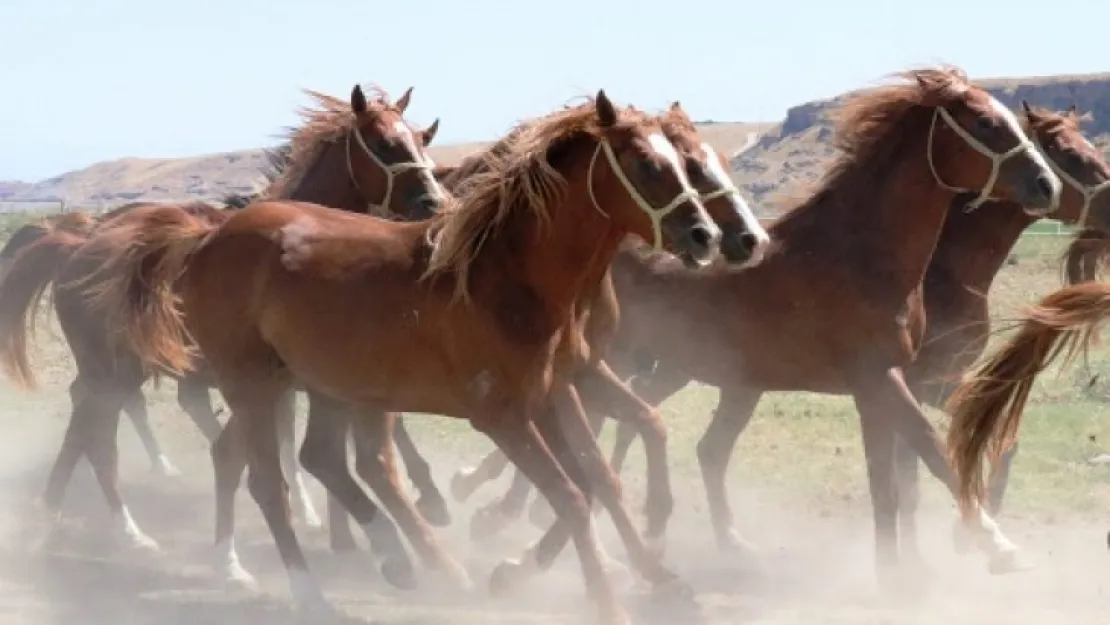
column 141, row 256
column 1084, row 255
column 987, row 407
column 27, row 276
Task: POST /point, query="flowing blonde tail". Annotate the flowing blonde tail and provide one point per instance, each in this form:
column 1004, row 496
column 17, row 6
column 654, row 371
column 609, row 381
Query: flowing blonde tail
column 144, row 253
column 987, row 407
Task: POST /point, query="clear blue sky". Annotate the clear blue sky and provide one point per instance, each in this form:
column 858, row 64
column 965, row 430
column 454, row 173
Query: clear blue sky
column 90, row 80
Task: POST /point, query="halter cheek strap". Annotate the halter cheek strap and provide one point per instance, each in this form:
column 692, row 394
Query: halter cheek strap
column 656, row 215
column 996, row 158
column 390, row 171
column 1089, row 193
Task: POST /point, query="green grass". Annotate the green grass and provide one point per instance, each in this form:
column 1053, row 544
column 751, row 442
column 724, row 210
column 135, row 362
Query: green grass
column 807, row 445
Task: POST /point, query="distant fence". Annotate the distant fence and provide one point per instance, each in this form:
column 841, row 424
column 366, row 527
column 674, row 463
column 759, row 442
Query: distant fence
column 48, row 206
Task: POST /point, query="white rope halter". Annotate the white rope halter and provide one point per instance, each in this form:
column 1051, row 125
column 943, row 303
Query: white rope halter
column 1088, row 192
column 996, row 158
column 390, row 171
column 656, row 215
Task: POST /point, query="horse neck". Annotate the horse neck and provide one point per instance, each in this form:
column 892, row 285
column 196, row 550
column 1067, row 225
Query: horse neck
column 328, row 182
column 973, row 246
column 884, row 220
column 562, row 261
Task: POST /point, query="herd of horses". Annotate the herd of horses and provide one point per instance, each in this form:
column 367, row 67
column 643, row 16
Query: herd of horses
column 515, row 291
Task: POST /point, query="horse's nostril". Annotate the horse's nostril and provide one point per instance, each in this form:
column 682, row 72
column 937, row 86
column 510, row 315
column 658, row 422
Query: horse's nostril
column 748, row 241
column 701, row 236
column 1044, row 185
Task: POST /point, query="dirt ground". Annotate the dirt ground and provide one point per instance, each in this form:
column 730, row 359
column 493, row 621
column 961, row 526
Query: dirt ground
column 816, row 569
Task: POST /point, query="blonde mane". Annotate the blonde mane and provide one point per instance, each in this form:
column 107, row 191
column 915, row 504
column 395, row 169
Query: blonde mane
column 328, row 121
column 518, row 176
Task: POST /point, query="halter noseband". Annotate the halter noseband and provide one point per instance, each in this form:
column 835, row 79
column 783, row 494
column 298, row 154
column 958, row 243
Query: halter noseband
column 656, row 215
column 390, row 171
column 996, row 158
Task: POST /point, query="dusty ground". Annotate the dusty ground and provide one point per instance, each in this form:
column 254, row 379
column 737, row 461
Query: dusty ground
column 816, row 565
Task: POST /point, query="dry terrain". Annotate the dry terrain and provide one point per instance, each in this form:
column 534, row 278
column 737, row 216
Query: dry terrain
column 797, row 476
column 798, row 483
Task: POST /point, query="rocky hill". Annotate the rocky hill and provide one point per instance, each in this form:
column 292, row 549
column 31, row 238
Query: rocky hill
column 795, row 151
column 766, row 158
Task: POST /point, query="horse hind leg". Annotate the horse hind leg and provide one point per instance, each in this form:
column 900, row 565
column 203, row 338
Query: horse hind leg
column 303, row 508
column 255, row 399
column 101, row 407
column 135, row 407
column 228, row 464
column 431, row 503
column 324, row 455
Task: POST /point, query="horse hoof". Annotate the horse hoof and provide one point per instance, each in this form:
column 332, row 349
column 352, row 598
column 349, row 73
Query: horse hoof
column 1010, row 561
column 739, row 547
column 504, row 578
column 460, row 490
column 962, row 539
column 164, row 468
column 434, row 510
column 343, row 543
column 451, row 577
column 142, row 543
column 540, row 514
column 399, row 573
column 656, row 545
column 487, row 522
column 673, row 590
column 236, row 575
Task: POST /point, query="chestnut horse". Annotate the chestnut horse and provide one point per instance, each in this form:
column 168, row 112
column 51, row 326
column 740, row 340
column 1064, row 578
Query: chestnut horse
column 477, row 313
column 869, row 230
column 329, row 158
column 972, row 247
column 743, row 244
column 988, row 406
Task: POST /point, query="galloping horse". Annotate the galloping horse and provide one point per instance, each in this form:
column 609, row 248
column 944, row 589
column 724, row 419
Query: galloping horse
column 868, row 231
column 476, row 313
column 330, row 159
column 743, row 245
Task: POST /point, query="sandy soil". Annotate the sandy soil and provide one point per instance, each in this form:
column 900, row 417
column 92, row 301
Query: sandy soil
column 815, row 571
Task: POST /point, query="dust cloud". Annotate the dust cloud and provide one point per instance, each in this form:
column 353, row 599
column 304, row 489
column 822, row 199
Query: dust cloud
column 814, row 569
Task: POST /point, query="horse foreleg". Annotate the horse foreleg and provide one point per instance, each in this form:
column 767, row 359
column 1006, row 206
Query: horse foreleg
column 522, row 443
column 467, row 479
column 376, row 464
column 431, row 503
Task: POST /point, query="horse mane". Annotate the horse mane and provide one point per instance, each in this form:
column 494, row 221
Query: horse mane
column 519, row 173
column 328, row 121
column 873, row 124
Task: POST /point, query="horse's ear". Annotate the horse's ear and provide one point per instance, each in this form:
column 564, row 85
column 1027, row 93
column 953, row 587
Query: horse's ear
column 358, row 100
column 403, row 101
column 676, row 106
column 430, row 132
column 1028, row 109
column 606, row 112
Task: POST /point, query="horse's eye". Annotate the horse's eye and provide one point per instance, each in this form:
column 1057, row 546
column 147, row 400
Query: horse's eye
column 985, row 122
